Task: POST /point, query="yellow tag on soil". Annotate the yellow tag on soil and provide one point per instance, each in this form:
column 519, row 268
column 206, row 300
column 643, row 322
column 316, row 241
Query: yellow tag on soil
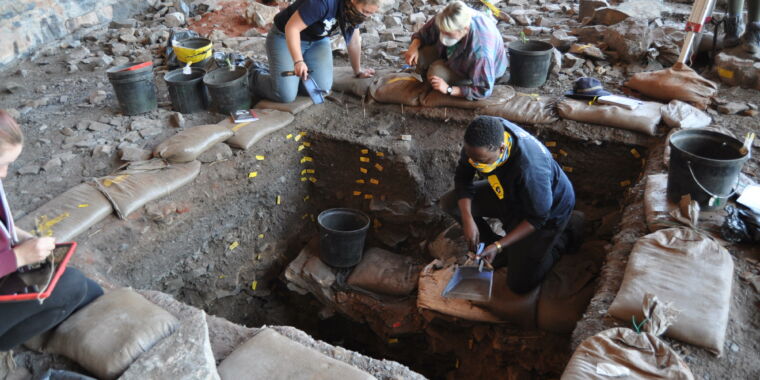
column 551, row 144
column 380, row 154
column 364, row 159
column 360, row 181
column 289, row 136
column 635, row 153
column 379, row 167
column 567, row 169
column 357, row 193
column 234, row 245
column 367, row 196
column 253, row 174
column 313, row 179
column 254, row 284
column 260, row 158
column 562, row 152
column 374, row 181
column 723, row 73
column 625, row 183
column 83, row 205
column 365, row 151
column 278, row 199
column 306, row 159
column 363, row 170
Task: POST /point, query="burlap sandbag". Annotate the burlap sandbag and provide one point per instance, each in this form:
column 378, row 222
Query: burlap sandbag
column 678, row 114
column 656, row 204
column 643, row 119
column 247, row 134
column 144, row 181
column 679, row 82
column 676, row 264
column 269, row 355
column 107, row 335
column 399, row 88
column 345, row 81
column 68, row 214
column 525, row 109
column 500, row 95
column 623, row 353
column 385, row 272
column 190, row 143
column 504, row 306
column 568, row 287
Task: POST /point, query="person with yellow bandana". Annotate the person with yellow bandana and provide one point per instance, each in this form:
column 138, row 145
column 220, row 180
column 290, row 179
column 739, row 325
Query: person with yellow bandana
column 520, row 184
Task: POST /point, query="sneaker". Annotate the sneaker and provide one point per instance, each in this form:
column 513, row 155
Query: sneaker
column 752, row 39
column 734, row 28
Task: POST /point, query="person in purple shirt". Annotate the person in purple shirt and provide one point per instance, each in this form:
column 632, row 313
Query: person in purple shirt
column 460, row 51
column 20, row 321
column 299, row 42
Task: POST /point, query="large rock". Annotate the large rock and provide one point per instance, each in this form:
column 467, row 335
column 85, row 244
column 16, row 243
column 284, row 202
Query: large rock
column 186, row 354
column 260, row 15
column 561, row 40
column 630, row 38
column 735, row 71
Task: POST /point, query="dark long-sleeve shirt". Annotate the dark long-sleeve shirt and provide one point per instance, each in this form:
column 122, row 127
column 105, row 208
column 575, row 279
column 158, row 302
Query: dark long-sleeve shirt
column 535, row 187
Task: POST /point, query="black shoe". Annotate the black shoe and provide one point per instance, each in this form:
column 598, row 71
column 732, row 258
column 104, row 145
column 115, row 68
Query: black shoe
column 752, row 39
column 734, row 28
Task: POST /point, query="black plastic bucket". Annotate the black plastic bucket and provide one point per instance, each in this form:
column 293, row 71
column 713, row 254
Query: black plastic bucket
column 705, row 164
column 529, row 62
column 187, row 91
column 135, row 89
column 228, row 89
column 341, row 236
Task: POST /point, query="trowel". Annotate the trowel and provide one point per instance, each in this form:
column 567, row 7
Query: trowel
column 316, row 94
column 469, row 282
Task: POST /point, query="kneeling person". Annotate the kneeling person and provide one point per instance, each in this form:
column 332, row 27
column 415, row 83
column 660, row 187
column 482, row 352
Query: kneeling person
column 522, row 186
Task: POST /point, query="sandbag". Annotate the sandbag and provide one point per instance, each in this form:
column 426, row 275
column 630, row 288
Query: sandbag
column 345, row 81
column 568, row 287
column 144, row 181
column 523, row 108
column 679, row 82
column 643, row 119
column 385, row 272
column 247, row 134
column 676, row 264
column 500, row 95
column 269, row 355
column 399, row 88
column 504, row 306
column 657, row 207
column 190, row 143
column 107, row 335
column 626, row 354
column 678, row 114
column 69, row 214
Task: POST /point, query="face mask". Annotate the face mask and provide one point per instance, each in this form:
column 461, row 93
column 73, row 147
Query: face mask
column 352, row 15
column 448, row 41
column 487, row 168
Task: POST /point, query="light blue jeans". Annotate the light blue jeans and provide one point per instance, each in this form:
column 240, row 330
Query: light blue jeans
column 316, row 54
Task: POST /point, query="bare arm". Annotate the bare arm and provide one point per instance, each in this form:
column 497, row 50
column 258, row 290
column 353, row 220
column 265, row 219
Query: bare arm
column 293, row 38
column 355, row 56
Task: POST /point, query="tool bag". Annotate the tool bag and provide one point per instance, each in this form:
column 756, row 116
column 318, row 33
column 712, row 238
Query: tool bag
column 643, row 119
column 247, row 134
column 624, row 353
column 677, row 264
column 190, row 143
column 679, row 82
column 144, row 181
column 69, row 214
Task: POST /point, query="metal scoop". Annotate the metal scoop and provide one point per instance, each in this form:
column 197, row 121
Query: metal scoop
column 471, row 282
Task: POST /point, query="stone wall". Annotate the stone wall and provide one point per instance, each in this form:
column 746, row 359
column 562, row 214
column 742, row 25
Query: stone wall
column 25, row 25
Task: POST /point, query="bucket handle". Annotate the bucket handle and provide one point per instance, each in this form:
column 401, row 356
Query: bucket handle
column 694, row 177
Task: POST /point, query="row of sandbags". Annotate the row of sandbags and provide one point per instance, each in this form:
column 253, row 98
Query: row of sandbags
column 130, row 188
column 410, row 90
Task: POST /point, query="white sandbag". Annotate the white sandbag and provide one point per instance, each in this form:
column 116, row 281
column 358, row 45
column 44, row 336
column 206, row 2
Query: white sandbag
column 190, row 143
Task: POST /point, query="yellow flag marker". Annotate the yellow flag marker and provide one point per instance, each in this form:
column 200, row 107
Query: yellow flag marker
column 258, row 257
column 260, row 157
column 302, row 133
column 367, row 196
column 625, row 183
column 261, row 236
column 83, row 205
column 360, row 181
column 567, row 169
column 392, row 340
column 306, row 159
column 635, row 153
column 374, row 181
column 313, row 179
column 364, row 159
column 278, row 200
column 306, row 144
column 365, row 151
column 303, row 179
column 357, row 193
column 298, row 137
column 728, row 74
column 254, row 284
column 306, row 198
column 379, row 167
column 301, row 147
column 551, row 144
column 380, row 154
column 221, row 276
column 363, row 170
column 289, row 136
column 562, row 152
column 234, row 245
column 253, row 174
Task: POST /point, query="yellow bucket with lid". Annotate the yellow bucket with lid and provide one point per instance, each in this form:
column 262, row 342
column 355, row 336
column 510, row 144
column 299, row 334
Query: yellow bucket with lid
column 193, row 50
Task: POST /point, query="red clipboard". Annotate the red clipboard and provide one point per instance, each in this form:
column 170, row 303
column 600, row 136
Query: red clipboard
column 60, row 267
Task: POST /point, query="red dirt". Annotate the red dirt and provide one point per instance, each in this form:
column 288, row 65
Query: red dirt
column 229, row 20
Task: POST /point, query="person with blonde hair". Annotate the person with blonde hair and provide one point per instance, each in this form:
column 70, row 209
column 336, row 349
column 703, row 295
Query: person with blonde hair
column 460, row 51
column 298, row 46
column 20, row 321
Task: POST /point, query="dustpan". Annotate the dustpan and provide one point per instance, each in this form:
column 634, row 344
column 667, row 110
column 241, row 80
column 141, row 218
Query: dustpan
column 317, row 94
column 470, row 282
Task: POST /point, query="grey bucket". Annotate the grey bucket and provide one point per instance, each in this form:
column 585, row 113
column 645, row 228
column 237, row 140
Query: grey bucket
column 529, row 63
column 705, row 164
column 135, row 89
column 342, row 232
column 187, row 91
column 228, row 89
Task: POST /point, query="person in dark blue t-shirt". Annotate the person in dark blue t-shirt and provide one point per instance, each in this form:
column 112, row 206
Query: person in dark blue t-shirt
column 299, row 42
column 522, row 186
